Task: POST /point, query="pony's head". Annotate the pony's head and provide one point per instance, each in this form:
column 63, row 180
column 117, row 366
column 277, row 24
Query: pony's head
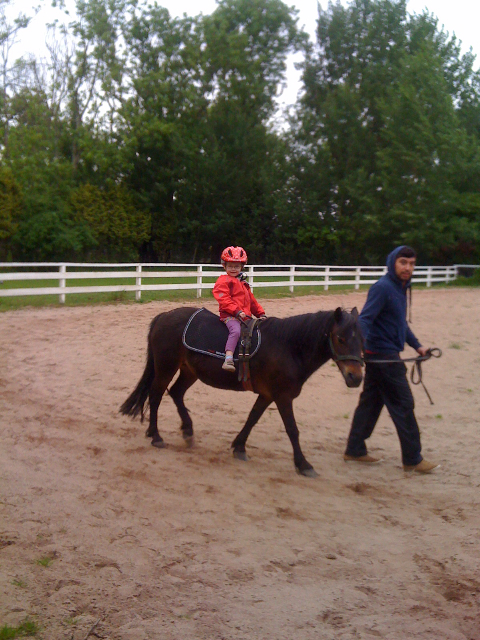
column 346, row 345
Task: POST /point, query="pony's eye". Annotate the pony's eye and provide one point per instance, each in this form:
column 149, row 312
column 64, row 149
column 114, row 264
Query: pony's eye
column 341, row 340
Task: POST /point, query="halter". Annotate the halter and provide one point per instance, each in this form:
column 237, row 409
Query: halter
column 338, row 358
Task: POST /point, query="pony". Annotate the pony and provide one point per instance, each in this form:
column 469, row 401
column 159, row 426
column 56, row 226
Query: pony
column 292, row 349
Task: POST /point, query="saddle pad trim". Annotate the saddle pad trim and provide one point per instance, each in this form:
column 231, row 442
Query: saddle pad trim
column 214, row 354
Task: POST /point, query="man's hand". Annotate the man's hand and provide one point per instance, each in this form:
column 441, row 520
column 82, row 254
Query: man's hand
column 422, row 351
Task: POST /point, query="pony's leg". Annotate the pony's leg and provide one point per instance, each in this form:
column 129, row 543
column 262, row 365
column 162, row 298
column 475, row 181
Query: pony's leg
column 301, row 464
column 158, row 388
column 238, row 445
column 177, row 391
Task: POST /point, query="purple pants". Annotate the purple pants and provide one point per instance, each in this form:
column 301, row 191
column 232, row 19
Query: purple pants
column 233, row 326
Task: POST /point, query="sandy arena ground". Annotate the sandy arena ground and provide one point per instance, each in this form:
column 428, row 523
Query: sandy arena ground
column 104, row 536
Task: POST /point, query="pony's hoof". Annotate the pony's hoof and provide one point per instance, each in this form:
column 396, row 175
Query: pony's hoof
column 160, row 444
column 189, row 441
column 240, row 455
column 308, row 473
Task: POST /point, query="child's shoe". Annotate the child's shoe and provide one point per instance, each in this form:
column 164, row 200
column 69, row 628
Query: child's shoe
column 228, row 365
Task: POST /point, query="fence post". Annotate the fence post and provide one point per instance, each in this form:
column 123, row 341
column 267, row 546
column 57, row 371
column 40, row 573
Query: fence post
column 199, row 280
column 429, row 276
column 292, row 277
column 327, row 278
column 138, row 282
column 357, row 278
column 62, row 281
column 455, row 271
column 250, row 276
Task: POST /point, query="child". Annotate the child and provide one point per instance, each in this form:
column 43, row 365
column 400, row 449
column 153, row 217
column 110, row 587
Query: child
column 235, row 299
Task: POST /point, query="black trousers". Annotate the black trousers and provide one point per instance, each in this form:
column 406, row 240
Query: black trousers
column 386, row 384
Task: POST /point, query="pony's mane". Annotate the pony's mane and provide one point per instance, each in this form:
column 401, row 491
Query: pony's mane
column 307, row 327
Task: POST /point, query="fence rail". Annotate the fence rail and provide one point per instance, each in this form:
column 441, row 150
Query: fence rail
column 135, row 277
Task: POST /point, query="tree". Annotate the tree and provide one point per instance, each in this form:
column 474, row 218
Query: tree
column 10, row 211
column 382, row 119
column 95, row 79
column 115, row 226
column 423, row 153
column 246, row 46
column 9, row 31
column 195, row 128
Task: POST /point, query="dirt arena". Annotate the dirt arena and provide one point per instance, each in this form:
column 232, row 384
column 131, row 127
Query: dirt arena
column 104, row 536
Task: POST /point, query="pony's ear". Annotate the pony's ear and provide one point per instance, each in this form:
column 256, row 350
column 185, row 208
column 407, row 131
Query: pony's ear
column 338, row 314
column 354, row 313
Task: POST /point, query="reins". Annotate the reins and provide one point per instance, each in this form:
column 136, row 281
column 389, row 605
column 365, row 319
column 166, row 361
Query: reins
column 416, row 373
column 244, row 355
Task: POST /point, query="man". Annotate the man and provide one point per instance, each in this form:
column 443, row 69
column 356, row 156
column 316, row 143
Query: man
column 383, row 321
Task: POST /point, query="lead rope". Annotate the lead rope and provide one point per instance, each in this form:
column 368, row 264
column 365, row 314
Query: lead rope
column 434, row 352
column 417, row 366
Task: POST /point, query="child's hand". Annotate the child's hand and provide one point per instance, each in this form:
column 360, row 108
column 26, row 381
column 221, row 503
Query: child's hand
column 242, row 315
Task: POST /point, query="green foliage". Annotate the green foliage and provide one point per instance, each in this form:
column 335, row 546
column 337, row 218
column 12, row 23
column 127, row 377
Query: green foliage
column 472, row 281
column 50, row 235
column 45, row 561
column 115, row 227
column 246, row 46
column 379, row 112
column 10, row 209
column 195, row 128
column 149, row 137
column 27, row 628
column 19, row 583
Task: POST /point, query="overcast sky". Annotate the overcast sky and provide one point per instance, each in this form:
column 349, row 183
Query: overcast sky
column 459, row 16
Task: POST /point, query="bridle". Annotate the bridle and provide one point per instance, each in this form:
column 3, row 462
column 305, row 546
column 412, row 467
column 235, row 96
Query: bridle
column 336, row 357
column 415, row 374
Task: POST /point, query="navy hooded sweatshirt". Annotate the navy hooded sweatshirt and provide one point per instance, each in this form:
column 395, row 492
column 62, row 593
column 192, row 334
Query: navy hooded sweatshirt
column 383, row 319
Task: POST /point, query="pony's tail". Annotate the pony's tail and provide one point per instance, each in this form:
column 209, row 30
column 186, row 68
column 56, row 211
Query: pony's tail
column 135, row 402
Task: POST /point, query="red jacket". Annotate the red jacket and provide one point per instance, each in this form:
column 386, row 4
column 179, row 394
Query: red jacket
column 234, row 296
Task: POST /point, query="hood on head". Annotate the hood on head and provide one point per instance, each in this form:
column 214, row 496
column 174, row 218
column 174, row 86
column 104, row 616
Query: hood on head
column 391, row 259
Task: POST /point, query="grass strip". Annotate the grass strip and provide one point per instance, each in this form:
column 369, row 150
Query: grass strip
column 27, row 628
column 182, row 295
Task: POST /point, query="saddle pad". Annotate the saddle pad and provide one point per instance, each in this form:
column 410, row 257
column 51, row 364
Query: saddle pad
column 207, row 334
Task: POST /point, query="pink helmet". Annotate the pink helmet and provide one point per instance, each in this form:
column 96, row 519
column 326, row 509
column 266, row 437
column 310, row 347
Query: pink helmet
column 234, row 254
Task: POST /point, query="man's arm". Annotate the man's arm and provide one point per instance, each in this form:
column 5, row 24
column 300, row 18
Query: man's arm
column 412, row 340
column 373, row 306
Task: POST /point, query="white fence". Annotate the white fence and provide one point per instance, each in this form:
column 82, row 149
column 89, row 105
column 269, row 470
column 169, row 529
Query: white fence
column 168, row 276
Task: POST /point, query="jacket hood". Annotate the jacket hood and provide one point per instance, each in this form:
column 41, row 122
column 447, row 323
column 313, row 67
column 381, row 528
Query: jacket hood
column 391, row 259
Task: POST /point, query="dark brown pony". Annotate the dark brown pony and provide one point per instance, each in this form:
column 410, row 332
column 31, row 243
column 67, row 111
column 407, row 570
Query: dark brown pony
column 291, row 350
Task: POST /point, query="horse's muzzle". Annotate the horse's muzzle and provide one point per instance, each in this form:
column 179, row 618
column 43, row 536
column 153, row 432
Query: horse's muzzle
column 353, row 375
column 353, row 380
